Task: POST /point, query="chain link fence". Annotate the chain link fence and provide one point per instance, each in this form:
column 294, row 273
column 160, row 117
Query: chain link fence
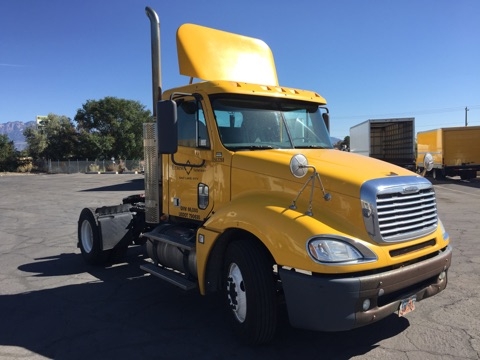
column 86, row 166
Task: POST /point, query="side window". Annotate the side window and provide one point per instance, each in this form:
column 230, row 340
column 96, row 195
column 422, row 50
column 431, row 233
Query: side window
column 192, row 129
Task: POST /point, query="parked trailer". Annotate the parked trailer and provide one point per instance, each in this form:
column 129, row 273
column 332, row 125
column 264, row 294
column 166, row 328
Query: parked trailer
column 391, row 140
column 454, row 151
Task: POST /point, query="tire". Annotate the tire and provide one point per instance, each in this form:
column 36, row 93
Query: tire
column 437, row 174
column 249, row 292
column 467, row 175
column 89, row 239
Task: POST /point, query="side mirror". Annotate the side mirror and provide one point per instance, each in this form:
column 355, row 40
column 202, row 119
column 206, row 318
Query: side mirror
column 428, row 161
column 427, row 164
column 326, row 120
column 167, row 128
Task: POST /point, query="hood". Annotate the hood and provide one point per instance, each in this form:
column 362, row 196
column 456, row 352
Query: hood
column 340, row 172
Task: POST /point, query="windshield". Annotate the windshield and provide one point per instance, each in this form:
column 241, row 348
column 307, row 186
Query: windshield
column 250, row 122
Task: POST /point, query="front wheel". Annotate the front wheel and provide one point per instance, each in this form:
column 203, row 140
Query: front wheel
column 467, row 175
column 89, row 239
column 249, row 291
column 438, row 174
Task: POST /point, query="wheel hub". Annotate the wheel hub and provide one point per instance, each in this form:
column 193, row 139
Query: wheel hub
column 236, row 295
column 87, row 236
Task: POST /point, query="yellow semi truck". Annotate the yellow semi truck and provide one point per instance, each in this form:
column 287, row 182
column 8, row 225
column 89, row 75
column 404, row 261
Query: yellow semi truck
column 453, row 151
column 245, row 196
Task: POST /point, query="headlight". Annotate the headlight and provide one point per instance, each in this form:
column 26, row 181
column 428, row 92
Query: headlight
column 333, row 251
column 336, row 249
column 444, row 232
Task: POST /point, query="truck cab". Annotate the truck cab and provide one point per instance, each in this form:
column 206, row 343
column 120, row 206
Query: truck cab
column 245, row 196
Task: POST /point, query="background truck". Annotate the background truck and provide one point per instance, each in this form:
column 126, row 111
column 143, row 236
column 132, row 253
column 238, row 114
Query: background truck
column 454, row 151
column 391, row 140
column 245, row 196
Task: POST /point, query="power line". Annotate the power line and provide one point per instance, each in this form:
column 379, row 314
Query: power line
column 410, row 113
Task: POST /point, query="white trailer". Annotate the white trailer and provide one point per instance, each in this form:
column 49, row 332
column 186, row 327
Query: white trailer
column 391, row 140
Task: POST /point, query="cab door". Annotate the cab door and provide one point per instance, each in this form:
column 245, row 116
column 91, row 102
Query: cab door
column 190, row 172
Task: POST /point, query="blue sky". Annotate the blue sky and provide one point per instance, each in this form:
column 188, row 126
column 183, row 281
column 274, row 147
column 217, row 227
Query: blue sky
column 369, row 59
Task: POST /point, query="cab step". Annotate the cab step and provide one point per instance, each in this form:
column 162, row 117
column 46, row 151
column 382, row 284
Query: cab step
column 169, row 276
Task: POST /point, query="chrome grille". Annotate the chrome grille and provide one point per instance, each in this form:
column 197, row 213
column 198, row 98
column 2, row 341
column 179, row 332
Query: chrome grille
column 399, row 208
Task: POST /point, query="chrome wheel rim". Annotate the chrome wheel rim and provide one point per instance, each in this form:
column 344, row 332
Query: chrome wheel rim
column 87, row 236
column 236, row 295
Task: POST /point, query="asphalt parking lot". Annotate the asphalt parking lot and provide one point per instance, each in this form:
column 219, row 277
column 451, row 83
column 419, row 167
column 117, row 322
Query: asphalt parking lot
column 54, row 306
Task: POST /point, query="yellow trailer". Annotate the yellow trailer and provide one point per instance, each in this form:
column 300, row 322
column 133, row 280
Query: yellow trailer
column 455, row 151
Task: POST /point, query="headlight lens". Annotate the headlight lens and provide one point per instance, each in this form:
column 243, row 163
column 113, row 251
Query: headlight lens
column 328, row 250
column 335, row 249
column 444, row 232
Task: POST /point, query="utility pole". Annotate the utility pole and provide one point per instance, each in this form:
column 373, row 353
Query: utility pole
column 466, row 122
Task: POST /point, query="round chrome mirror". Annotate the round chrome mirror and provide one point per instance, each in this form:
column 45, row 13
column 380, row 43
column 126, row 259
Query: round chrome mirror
column 298, row 165
column 428, row 161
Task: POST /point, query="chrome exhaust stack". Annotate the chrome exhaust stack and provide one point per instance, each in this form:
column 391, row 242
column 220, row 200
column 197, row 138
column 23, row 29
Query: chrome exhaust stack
column 156, row 58
column 153, row 162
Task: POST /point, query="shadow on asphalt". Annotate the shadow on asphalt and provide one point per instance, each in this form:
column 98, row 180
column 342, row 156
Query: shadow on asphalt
column 132, row 185
column 473, row 183
column 119, row 312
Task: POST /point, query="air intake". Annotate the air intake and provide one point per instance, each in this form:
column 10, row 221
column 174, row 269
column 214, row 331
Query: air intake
column 399, row 208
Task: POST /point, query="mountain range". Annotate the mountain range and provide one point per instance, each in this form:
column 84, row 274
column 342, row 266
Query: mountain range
column 14, row 131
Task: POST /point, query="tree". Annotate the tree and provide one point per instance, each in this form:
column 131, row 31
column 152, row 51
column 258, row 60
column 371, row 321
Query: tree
column 54, row 138
column 7, row 154
column 343, row 145
column 112, row 127
column 36, row 142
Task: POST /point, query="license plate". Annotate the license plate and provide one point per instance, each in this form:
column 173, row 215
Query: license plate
column 407, row 305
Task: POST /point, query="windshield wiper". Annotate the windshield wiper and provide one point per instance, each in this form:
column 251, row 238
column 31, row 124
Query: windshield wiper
column 311, row 147
column 251, row 147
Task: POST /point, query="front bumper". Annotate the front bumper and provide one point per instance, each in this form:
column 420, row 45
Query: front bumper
column 324, row 303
